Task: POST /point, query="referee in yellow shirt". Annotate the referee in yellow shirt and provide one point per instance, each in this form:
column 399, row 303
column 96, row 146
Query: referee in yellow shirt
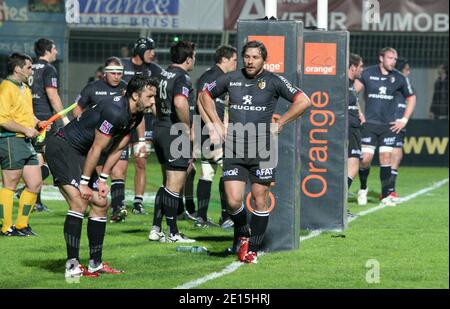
column 18, row 158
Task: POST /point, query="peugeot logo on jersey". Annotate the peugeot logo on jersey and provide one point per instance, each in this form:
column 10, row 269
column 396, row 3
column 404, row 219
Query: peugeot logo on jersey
column 247, row 100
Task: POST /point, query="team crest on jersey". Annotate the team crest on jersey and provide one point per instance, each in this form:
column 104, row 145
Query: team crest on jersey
column 392, row 79
column 106, row 127
column 261, row 84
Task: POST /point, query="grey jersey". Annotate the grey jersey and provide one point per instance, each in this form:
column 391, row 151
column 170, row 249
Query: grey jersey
column 380, row 92
column 253, row 100
column 44, row 76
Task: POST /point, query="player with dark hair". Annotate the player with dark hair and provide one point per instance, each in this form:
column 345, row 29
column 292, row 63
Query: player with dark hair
column 173, row 125
column 226, row 61
column 73, row 154
column 139, row 64
column 44, row 85
column 253, row 95
column 106, row 90
column 17, row 156
column 381, row 83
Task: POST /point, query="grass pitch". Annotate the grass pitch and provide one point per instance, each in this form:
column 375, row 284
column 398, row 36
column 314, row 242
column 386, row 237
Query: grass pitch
column 409, row 243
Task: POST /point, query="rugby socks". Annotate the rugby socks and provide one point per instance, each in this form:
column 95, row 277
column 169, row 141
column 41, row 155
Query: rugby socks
column 170, row 202
column 138, row 199
column 117, row 193
column 26, row 203
column 394, row 174
column 96, row 228
column 180, row 207
column 258, row 226
column 203, row 196
column 45, row 172
column 6, row 207
column 158, row 213
column 223, row 200
column 385, row 178
column 349, row 182
column 190, row 204
column 363, row 175
column 239, row 218
column 189, row 192
column 72, row 233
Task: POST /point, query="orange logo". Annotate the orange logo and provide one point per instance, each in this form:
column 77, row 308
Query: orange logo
column 248, row 202
column 275, row 51
column 320, row 59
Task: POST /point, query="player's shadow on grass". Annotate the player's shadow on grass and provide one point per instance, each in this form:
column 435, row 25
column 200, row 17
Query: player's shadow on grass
column 54, row 266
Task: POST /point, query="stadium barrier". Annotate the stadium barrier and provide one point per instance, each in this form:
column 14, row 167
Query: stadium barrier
column 324, row 131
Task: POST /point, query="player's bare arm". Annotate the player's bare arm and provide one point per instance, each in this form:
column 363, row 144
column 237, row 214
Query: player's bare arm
column 101, row 141
column 399, row 124
column 55, row 101
column 297, row 108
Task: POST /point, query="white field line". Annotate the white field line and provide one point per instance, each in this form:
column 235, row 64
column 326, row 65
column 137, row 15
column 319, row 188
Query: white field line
column 235, row 265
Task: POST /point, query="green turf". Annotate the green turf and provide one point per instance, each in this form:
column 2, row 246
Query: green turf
column 409, row 241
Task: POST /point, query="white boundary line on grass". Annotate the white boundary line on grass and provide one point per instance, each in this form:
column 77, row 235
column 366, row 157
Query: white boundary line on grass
column 235, row 265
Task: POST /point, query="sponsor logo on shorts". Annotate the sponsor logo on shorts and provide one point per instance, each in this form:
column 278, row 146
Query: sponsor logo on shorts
column 366, row 140
column 264, row 173
column 75, row 183
column 356, row 151
column 389, row 140
column 233, row 172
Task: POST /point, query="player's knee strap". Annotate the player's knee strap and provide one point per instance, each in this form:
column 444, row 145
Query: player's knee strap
column 208, row 171
column 384, row 149
column 368, row 149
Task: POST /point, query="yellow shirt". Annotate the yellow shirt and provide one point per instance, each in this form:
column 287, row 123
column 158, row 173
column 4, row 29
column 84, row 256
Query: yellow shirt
column 16, row 103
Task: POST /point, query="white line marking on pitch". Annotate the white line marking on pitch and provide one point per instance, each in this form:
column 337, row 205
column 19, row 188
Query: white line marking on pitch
column 235, row 265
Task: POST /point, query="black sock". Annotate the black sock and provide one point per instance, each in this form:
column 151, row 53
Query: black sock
column 190, row 204
column 72, row 233
column 170, row 202
column 394, row 174
column 349, row 182
column 45, row 171
column 385, row 178
column 117, row 193
column 180, row 207
column 203, row 196
column 158, row 213
column 138, row 199
column 258, row 226
column 96, row 233
column 223, row 200
column 239, row 218
column 363, row 175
